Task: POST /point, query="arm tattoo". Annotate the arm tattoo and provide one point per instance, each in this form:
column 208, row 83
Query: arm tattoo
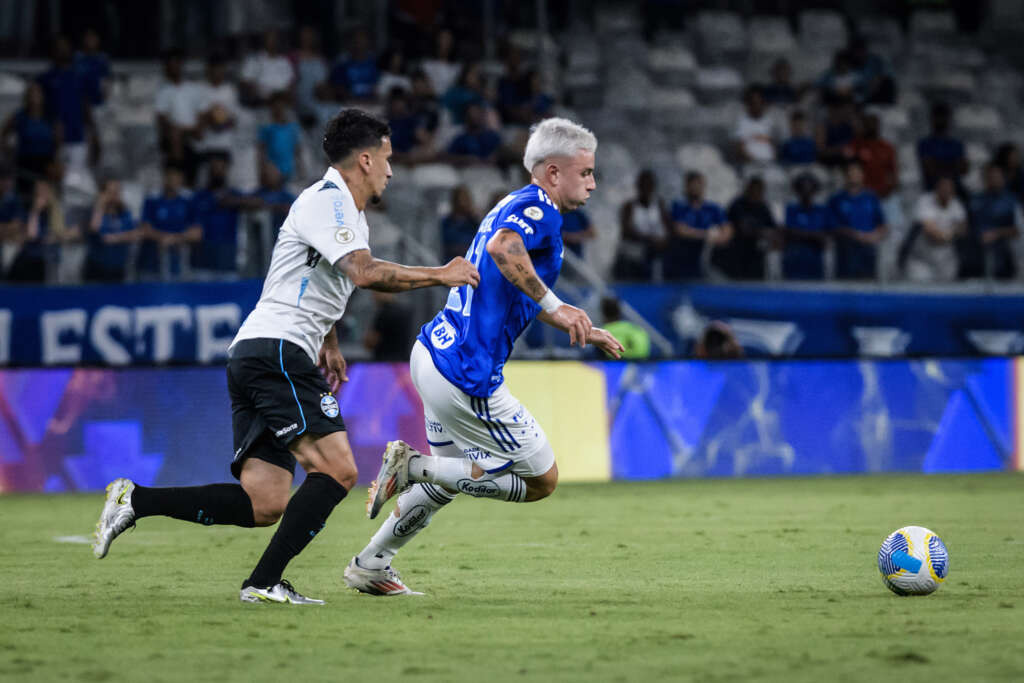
column 510, row 261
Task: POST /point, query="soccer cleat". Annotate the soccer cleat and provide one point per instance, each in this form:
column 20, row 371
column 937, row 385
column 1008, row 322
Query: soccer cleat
column 281, row 592
column 117, row 516
column 393, row 477
column 384, row 581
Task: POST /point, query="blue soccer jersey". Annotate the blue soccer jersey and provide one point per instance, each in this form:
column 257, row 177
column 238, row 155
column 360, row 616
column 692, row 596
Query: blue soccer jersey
column 472, row 336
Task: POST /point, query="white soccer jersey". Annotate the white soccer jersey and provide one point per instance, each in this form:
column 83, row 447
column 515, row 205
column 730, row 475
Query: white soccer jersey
column 303, row 295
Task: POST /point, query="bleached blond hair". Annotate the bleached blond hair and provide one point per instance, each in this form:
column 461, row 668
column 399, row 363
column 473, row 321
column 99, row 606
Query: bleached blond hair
column 556, row 138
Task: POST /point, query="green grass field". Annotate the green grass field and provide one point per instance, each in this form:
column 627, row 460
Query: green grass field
column 768, row 580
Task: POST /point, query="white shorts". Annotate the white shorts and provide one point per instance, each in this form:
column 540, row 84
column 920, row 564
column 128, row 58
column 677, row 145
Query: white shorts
column 497, row 433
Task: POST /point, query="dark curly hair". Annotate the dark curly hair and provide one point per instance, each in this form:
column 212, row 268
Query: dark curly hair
column 350, row 130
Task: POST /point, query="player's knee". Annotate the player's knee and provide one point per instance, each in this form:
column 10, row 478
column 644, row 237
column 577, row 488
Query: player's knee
column 345, row 473
column 268, row 509
column 542, row 487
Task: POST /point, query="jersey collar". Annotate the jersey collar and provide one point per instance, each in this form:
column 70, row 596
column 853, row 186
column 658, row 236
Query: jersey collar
column 335, row 177
column 543, row 196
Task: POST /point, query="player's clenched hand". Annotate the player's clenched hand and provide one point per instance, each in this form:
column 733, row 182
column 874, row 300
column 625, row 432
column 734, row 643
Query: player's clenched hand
column 458, row 272
column 575, row 321
column 606, row 341
column 333, row 366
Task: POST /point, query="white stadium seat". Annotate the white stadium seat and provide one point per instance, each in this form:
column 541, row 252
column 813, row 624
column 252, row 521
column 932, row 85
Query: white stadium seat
column 770, row 35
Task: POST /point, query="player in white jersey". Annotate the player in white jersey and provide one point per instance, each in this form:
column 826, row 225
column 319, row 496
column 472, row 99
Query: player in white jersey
column 282, row 408
column 483, row 442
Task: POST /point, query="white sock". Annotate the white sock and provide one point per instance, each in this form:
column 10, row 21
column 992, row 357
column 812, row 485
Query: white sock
column 418, row 504
column 455, row 474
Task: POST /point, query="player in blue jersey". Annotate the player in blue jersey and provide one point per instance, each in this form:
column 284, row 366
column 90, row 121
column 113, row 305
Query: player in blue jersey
column 484, row 442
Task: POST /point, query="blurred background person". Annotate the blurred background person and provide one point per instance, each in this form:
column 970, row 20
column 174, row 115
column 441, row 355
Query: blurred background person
column 858, row 225
column 391, row 334
column 635, row 341
column 460, row 225
column 696, row 223
column 644, row 225
column 718, row 342
column 37, row 138
column 806, row 232
column 112, row 229
column 754, row 234
column 940, row 219
column 996, row 223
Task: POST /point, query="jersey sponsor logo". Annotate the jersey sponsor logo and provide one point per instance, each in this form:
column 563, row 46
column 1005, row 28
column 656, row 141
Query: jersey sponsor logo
column 344, row 236
column 479, row 489
column 329, row 405
column 410, row 521
column 433, row 426
column 534, row 212
column 339, row 211
column 442, row 336
column 290, row 428
column 312, row 257
column 513, row 218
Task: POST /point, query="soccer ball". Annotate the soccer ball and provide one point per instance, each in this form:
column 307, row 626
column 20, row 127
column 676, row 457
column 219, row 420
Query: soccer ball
column 913, row 561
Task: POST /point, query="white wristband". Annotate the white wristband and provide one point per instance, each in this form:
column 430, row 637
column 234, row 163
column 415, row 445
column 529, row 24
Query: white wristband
column 549, row 302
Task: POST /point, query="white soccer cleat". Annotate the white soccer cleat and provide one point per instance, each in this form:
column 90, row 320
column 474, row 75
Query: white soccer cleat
column 282, row 593
column 393, row 477
column 384, row 581
column 117, row 516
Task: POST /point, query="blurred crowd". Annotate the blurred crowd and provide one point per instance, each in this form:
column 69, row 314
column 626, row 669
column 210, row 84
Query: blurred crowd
column 447, row 105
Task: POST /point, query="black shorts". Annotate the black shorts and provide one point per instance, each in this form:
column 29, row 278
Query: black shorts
column 277, row 395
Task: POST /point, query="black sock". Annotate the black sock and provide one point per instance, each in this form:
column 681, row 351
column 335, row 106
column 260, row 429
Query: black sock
column 304, row 517
column 212, row 504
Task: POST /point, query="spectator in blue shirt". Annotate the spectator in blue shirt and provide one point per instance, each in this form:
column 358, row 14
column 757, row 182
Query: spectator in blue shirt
column 279, row 139
column 875, row 84
column 459, row 227
column 38, row 138
column 167, row 222
column 273, row 196
column 215, row 209
column 695, row 222
column 468, row 90
column 410, row 138
column 94, row 67
column 1007, row 158
column 806, row 232
column 836, row 132
column 477, row 143
column 996, row 222
column 859, row 226
column 940, row 154
column 800, row 147
column 111, row 229
column 355, row 76
column 67, row 95
column 577, row 230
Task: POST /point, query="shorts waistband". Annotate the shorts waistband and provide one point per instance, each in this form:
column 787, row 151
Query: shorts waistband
column 248, row 348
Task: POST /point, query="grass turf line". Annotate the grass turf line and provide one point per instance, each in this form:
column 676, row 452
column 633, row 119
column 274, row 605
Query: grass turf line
column 689, row 580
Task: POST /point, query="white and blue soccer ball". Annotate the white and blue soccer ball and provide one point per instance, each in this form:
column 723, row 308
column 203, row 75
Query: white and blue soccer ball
column 913, row 561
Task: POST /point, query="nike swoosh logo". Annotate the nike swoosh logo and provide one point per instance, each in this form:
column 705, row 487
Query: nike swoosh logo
column 120, row 496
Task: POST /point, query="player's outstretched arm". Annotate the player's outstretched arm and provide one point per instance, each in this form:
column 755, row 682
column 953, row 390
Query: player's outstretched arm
column 507, row 249
column 384, row 276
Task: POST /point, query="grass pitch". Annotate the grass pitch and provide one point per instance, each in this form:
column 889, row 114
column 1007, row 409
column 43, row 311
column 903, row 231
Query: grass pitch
column 768, row 580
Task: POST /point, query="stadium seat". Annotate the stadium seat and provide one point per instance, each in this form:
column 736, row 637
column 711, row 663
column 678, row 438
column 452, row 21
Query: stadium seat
column 825, row 28
column 720, row 34
column 672, row 65
column 978, row 122
column 723, row 184
column 977, row 156
column 909, row 166
column 667, row 102
column 719, row 84
column 770, row 36
column 432, row 176
column 895, row 122
column 931, row 24
column 699, row 156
